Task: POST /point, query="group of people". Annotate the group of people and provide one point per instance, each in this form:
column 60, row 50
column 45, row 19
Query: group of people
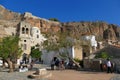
column 58, row 64
column 24, row 67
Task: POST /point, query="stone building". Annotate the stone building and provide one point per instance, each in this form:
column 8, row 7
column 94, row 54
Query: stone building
column 25, row 36
column 30, row 36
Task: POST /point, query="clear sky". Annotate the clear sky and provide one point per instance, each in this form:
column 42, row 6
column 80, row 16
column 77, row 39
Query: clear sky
column 69, row 10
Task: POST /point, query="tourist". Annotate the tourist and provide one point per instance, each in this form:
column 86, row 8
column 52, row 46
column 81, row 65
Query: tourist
column 31, row 64
column 52, row 64
column 57, row 63
column 109, row 65
column 61, row 65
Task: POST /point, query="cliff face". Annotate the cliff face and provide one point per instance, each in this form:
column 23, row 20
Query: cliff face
column 44, row 24
column 8, row 15
column 101, row 30
column 12, row 19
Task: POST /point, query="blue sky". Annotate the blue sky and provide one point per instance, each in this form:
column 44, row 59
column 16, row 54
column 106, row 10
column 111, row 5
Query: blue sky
column 69, row 10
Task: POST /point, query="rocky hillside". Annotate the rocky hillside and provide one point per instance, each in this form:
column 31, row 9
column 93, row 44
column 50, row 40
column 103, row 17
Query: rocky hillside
column 101, row 30
column 12, row 19
column 113, row 51
column 8, row 15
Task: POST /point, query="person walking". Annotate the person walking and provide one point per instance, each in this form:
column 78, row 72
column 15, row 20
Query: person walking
column 109, row 65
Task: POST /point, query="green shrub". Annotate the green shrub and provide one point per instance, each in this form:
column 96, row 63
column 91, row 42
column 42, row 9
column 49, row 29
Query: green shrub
column 77, row 60
column 103, row 55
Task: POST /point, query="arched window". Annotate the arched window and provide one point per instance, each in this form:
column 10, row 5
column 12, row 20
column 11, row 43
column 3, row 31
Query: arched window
column 37, row 36
column 37, row 31
column 27, row 30
column 23, row 30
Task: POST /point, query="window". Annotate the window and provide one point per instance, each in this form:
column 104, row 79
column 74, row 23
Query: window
column 37, row 36
column 23, row 30
column 12, row 34
column 24, row 40
column 37, row 31
column 27, row 30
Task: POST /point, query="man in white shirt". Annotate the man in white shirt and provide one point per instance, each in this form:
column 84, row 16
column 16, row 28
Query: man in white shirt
column 109, row 65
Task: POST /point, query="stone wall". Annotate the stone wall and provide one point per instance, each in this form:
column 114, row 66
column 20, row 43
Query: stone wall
column 78, row 53
column 92, row 64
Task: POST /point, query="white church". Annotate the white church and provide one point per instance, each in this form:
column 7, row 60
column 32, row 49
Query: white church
column 30, row 36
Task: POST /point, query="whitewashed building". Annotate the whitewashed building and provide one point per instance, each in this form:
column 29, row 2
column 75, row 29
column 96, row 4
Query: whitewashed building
column 92, row 40
column 30, row 36
column 36, row 36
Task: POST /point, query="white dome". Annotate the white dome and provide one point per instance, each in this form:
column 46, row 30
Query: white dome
column 35, row 30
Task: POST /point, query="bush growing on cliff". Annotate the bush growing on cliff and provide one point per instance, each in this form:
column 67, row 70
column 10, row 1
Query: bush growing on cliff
column 103, row 55
column 53, row 19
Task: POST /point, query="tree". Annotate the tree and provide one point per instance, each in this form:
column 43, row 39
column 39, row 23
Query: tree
column 35, row 53
column 63, row 41
column 10, row 50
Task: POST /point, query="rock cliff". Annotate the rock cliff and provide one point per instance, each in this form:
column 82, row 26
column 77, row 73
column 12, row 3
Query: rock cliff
column 12, row 19
column 101, row 30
